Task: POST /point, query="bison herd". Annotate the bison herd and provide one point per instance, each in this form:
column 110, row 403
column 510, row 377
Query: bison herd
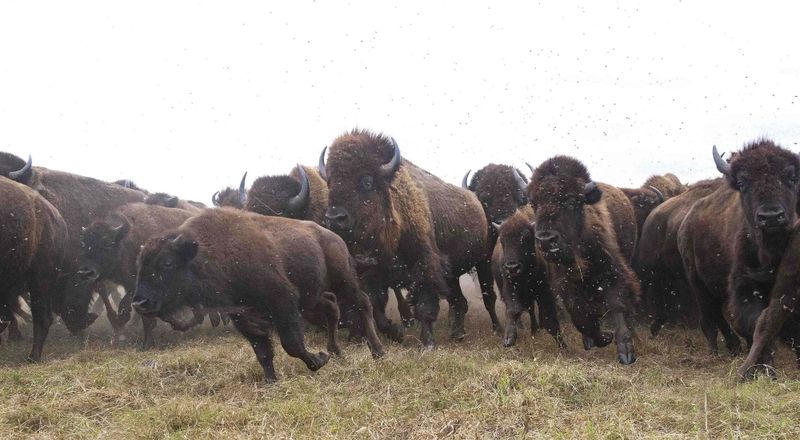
column 324, row 246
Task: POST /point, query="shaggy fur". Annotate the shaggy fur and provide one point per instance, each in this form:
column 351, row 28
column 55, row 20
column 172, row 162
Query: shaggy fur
column 170, row 201
column 269, row 195
column 587, row 240
column 727, row 256
column 262, row 271
column 32, row 239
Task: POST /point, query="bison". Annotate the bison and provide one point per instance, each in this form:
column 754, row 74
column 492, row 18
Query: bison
column 417, row 230
column 586, row 231
column 32, row 239
column 521, row 276
column 170, row 201
column 235, row 198
column 79, row 200
column 262, row 271
column 732, row 241
column 655, row 191
column 302, row 195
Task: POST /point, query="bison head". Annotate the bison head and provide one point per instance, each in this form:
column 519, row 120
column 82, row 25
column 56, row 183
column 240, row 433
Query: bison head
column 16, row 169
column 162, row 199
column 165, row 279
column 559, row 191
column 280, row 196
column 500, row 189
column 100, row 246
column 360, row 170
column 517, row 236
column 766, row 177
column 231, row 197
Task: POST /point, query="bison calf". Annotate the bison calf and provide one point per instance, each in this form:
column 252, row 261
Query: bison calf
column 263, row 271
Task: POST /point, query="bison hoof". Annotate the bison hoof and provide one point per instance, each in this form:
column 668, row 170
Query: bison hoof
column 397, row 333
column 734, row 347
column 377, row 354
column 605, row 339
column 588, row 343
column 627, row 358
column 458, row 335
column 318, row 361
column 510, row 340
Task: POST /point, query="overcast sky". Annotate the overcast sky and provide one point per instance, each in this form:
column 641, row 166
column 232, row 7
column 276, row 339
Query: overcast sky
column 183, row 97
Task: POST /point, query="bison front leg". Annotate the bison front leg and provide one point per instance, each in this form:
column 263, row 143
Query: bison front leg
column 42, row 317
column 617, row 303
column 458, row 310
column 262, row 346
column 488, row 294
column 549, row 318
column 767, row 327
column 587, row 321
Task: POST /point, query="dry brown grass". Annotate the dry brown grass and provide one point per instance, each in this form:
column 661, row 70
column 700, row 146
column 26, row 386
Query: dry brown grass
column 207, row 384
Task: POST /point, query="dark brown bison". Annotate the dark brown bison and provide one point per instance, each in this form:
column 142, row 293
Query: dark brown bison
column 658, row 261
column 586, row 231
column 522, row 278
column 110, row 247
column 655, row 191
column 499, row 188
column 262, row 271
column 732, row 240
column 302, row 195
column 421, row 232
column 80, row 200
column 782, row 312
column 170, row 201
column 32, row 240
column 234, row 198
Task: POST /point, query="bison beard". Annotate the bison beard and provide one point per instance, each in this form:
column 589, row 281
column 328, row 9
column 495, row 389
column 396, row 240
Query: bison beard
column 32, row 239
column 262, row 271
column 587, row 232
column 732, row 241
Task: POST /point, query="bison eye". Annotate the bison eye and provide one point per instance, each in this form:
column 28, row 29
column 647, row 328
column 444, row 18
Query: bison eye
column 367, row 183
column 742, row 184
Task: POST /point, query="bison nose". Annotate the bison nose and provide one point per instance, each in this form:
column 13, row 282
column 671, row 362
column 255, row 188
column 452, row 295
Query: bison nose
column 512, row 267
column 87, row 273
column 337, row 218
column 547, row 237
column 771, row 216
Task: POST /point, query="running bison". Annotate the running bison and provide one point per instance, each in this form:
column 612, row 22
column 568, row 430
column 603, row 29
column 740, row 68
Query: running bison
column 32, row 239
column 586, row 232
column 521, row 276
column 302, row 195
column 170, row 201
column 732, row 240
column 79, row 200
column 655, row 191
column 658, row 262
column 263, row 271
column 419, row 231
column 234, row 198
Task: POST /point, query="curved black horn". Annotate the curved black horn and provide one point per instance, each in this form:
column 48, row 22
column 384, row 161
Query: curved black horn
column 465, row 180
column 530, row 167
column 658, row 193
column 722, row 166
column 589, row 187
column 388, row 169
column 299, row 201
column 23, row 174
column 521, row 183
column 322, row 172
column 215, row 199
column 242, row 192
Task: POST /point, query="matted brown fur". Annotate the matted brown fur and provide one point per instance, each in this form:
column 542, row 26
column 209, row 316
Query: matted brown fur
column 270, row 195
column 32, row 239
column 587, row 239
column 728, row 257
column 263, row 271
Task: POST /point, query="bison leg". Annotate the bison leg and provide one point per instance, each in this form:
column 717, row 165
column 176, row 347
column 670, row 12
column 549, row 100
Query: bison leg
column 42, row 317
column 549, row 318
column 353, row 298
column 767, row 327
column 488, row 294
column 403, row 306
column 326, row 310
column 458, row 310
column 148, row 324
column 587, row 322
column 622, row 333
column 513, row 314
column 286, row 316
column 534, row 322
column 262, row 346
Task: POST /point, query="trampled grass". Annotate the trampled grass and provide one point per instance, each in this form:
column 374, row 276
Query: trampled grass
column 207, row 384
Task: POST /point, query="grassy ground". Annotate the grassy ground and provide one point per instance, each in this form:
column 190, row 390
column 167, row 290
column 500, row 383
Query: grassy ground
column 207, row 384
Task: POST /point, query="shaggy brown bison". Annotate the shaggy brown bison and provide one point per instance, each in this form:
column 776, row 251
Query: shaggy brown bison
column 302, row 195
column 110, row 247
column 586, row 232
column 32, row 239
column 782, row 311
column 79, row 200
column 658, row 261
column 420, row 232
column 262, row 271
column 521, row 276
column 655, row 191
column 732, row 240
column 499, row 188
column 234, row 198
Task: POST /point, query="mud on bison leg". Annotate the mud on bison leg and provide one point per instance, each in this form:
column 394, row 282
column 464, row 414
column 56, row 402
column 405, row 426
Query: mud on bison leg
column 458, row 310
column 768, row 326
column 488, row 294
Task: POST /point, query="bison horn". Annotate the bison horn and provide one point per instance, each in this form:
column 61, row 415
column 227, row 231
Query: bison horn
column 299, row 201
column 465, row 180
column 521, row 183
column 322, row 172
column 497, row 226
column 388, row 169
column 242, row 193
column 659, row 194
column 589, row 187
column 23, row 174
column 722, row 166
column 215, row 199
column 530, row 167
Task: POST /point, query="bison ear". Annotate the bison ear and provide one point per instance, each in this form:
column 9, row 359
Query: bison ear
column 186, row 249
column 592, row 193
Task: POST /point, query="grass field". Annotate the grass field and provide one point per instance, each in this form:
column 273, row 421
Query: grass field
column 207, row 384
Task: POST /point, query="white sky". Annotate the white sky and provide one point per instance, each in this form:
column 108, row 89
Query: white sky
column 183, row 97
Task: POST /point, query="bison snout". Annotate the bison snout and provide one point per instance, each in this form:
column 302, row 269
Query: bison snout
column 88, row 274
column 337, row 218
column 771, row 217
column 512, row 267
column 547, row 237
